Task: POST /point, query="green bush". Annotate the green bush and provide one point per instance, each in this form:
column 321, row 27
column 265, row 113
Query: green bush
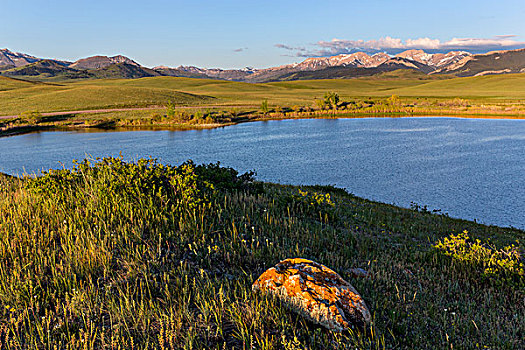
column 495, row 263
column 33, row 117
column 113, row 180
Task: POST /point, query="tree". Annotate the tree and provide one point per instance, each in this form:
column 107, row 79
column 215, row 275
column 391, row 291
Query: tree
column 331, row 99
column 170, row 109
column 264, row 107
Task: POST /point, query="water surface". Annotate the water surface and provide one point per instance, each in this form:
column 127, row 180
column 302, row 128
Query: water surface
column 469, row 168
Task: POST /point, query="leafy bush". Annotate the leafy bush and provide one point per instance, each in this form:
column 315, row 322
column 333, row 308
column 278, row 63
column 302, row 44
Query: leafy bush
column 222, row 178
column 494, row 263
column 33, row 117
column 316, row 199
column 393, row 100
column 113, row 180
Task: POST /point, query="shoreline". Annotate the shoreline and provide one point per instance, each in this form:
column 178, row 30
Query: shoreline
column 108, row 126
column 10, row 177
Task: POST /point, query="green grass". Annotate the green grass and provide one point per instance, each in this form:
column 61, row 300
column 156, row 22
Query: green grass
column 143, row 256
column 18, row 96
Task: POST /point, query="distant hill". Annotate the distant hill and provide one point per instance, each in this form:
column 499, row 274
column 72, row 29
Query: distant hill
column 358, row 64
column 123, row 70
column 45, row 69
column 96, row 62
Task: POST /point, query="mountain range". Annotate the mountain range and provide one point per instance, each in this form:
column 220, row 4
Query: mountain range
column 456, row 63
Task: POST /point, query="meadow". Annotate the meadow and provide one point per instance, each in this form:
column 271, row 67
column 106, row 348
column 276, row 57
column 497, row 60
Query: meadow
column 115, row 255
column 18, row 96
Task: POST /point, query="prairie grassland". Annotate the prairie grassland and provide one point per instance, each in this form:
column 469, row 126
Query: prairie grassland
column 114, row 255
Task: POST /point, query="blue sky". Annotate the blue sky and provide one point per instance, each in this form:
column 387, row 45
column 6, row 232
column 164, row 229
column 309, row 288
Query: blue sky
column 236, row 34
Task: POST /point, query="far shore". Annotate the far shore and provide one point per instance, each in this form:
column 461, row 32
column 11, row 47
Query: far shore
column 109, row 123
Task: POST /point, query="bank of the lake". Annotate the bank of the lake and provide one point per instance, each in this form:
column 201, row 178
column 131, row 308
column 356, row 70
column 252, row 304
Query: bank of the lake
column 205, row 117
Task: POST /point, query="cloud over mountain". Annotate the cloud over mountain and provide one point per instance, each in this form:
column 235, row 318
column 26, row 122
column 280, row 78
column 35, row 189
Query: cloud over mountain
column 395, row 45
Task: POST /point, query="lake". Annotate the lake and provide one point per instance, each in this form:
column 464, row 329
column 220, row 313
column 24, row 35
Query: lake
column 468, row 168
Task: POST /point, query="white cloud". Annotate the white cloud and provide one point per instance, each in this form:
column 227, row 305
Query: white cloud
column 394, row 45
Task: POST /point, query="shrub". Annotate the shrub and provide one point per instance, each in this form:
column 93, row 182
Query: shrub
column 33, row 117
column 393, row 100
column 495, row 263
column 315, row 198
column 321, row 104
column 115, row 181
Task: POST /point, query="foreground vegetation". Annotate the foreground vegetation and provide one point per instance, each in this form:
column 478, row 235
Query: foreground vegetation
column 119, row 255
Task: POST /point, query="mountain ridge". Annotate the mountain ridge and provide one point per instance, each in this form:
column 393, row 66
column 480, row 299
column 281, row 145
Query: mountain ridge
column 459, row 63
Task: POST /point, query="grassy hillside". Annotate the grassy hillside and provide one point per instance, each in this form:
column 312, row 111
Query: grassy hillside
column 66, row 97
column 111, row 93
column 143, row 256
column 510, row 86
column 12, row 84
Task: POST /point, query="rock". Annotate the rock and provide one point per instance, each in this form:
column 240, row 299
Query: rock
column 316, row 292
column 358, row 272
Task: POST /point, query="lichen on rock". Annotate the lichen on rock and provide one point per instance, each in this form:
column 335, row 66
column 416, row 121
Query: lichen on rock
column 316, row 292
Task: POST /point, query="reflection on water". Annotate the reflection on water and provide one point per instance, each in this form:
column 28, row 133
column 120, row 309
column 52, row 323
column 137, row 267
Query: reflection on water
column 470, row 168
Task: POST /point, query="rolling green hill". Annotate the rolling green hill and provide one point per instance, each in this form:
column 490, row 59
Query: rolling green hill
column 493, row 86
column 17, row 96
column 66, row 97
column 12, row 84
column 46, row 69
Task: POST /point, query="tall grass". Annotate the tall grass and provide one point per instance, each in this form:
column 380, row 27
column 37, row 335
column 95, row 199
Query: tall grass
column 115, row 255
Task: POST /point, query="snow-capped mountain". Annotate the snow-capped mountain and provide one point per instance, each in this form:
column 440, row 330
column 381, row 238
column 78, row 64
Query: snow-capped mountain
column 356, row 64
column 15, row 59
column 436, row 60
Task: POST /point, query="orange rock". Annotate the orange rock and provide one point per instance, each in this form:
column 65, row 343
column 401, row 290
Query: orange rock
column 316, row 292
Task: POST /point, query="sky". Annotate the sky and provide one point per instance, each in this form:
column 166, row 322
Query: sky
column 238, row 34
